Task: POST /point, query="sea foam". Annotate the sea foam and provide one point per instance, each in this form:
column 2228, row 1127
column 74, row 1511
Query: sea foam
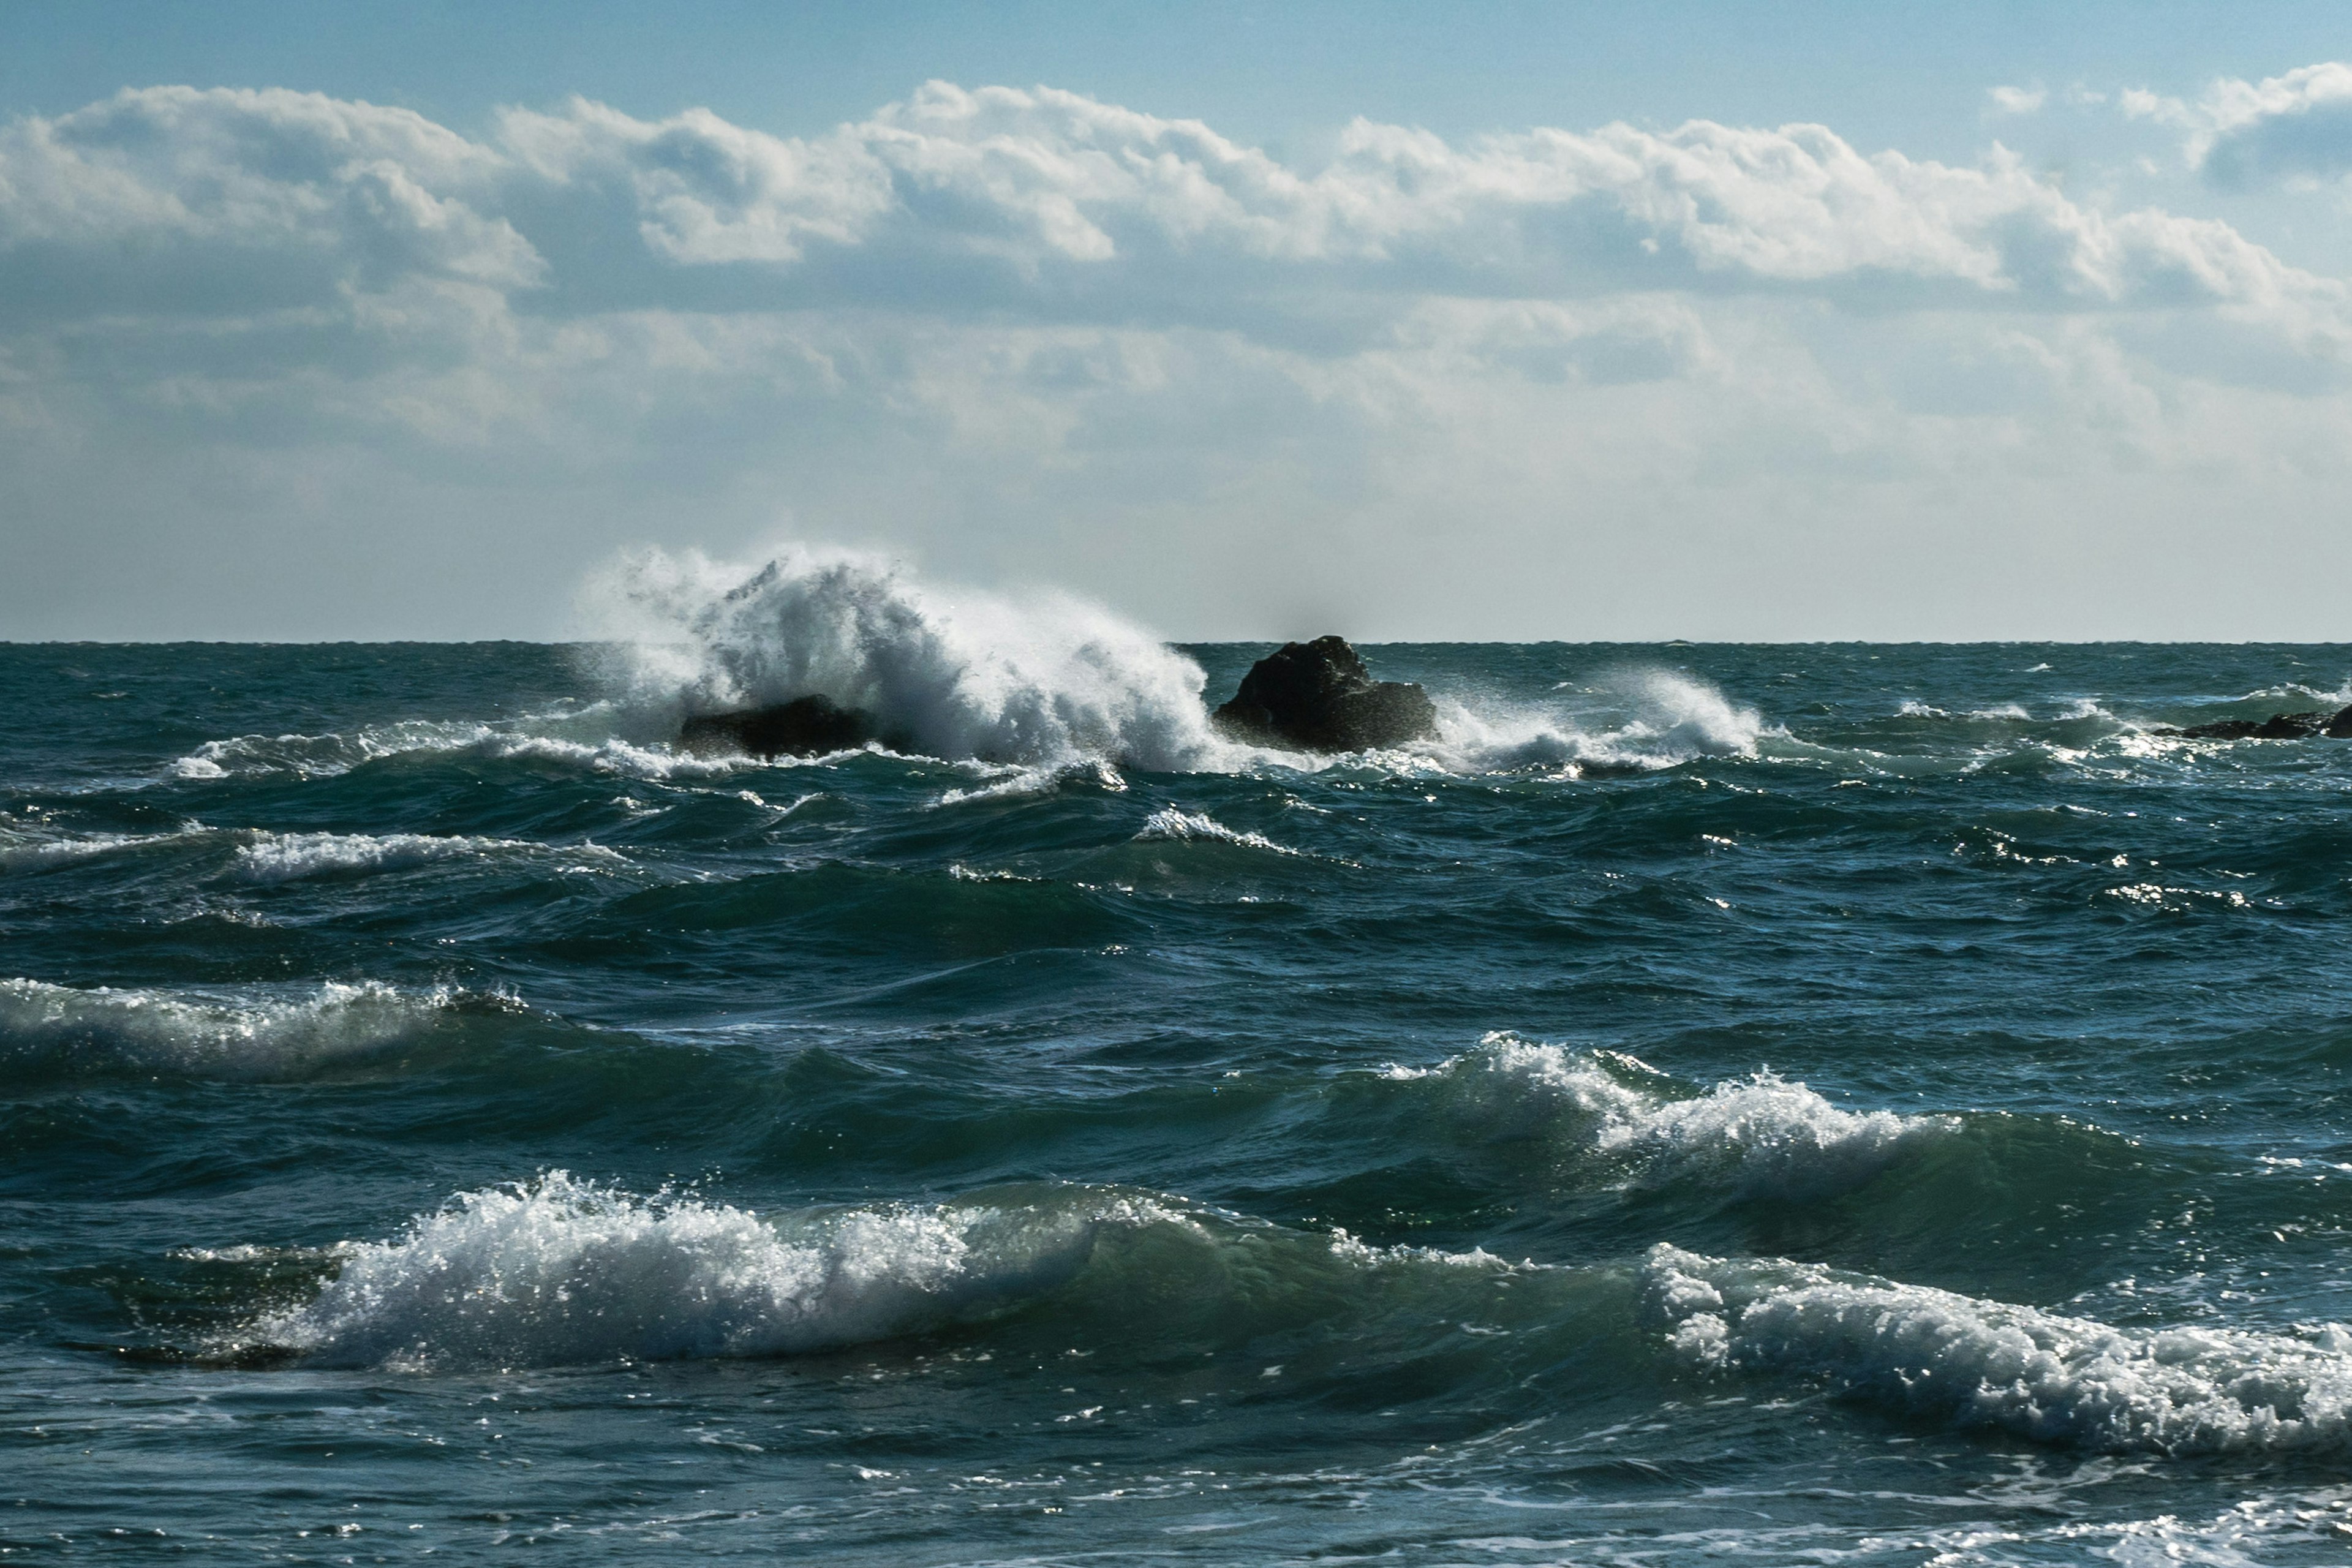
column 2013, row 1368
column 1763, row 1135
column 216, row 1036
column 560, row 1271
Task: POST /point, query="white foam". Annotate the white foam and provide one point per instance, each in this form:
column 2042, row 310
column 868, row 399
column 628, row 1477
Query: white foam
column 1991, row 1364
column 287, row 857
column 560, row 1271
column 1040, row 679
column 1759, row 1135
column 1169, row 823
column 226, row 1036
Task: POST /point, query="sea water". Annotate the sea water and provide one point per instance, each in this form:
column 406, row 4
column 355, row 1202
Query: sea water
column 1824, row 1103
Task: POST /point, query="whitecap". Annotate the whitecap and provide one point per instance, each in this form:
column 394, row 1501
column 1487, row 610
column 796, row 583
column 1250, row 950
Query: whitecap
column 289, row 856
column 204, row 1034
column 1761, row 1135
column 1171, row 824
column 1994, row 1364
column 1674, row 718
column 560, row 1271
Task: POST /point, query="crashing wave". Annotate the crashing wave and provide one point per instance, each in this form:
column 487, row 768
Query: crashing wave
column 1763, row 1135
column 560, row 1271
column 2016, row 1369
column 253, row 1038
column 1041, row 680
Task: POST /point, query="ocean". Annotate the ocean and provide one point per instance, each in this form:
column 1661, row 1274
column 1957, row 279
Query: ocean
column 1829, row 1103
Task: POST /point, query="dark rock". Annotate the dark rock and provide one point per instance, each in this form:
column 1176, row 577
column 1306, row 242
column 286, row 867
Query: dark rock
column 2340, row 727
column 2277, row 727
column 1318, row 697
column 805, row 727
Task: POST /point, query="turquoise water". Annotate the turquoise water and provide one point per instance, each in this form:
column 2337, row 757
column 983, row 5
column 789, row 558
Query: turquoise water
column 1818, row 1103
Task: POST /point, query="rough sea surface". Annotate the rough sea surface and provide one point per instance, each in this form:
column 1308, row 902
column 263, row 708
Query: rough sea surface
column 1782, row 1104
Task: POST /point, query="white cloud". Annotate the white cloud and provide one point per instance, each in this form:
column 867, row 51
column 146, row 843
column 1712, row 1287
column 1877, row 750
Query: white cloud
column 1026, row 330
column 2297, row 126
column 2018, row 99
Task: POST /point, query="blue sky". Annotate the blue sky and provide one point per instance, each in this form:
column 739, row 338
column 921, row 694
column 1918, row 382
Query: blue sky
column 1484, row 320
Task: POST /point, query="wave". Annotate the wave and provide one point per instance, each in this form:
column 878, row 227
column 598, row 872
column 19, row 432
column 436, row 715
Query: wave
column 1170, row 824
column 1040, row 680
column 31, row 851
column 289, row 856
column 1673, row 719
column 560, row 1271
column 185, row 1034
column 1759, row 1136
column 333, row 754
column 2012, row 1368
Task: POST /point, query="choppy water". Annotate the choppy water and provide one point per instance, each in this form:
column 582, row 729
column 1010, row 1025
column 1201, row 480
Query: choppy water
column 1853, row 1103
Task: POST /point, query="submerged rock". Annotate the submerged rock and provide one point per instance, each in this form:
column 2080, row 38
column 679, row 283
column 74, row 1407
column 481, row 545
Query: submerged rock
column 1318, row 697
column 805, row 727
column 2277, row 727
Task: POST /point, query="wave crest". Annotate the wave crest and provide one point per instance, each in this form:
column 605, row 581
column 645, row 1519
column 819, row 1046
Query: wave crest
column 134, row 1030
column 289, row 857
column 1763, row 1135
column 1673, row 719
column 560, row 1271
column 1992, row 1364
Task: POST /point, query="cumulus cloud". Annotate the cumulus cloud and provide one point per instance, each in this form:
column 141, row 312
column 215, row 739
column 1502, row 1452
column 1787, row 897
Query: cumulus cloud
column 1040, row 200
column 2018, row 99
column 1045, row 329
column 2297, row 126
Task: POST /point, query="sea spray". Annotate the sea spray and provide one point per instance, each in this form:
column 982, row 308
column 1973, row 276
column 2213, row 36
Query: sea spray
column 1040, row 678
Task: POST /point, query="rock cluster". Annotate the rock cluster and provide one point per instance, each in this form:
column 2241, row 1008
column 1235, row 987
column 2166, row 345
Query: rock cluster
column 2277, row 727
column 805, row 727
column 1318, row 697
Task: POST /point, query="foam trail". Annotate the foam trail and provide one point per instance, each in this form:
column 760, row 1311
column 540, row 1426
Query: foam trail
column 204, row 1037
column 1763, row 1135
column 562, row 1270
column 2018, row 1369
column 1040, row 680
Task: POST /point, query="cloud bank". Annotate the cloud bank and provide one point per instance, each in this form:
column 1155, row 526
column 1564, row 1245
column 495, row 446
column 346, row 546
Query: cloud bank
column 271, row 343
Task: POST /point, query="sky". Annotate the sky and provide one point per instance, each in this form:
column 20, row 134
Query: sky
column 1502, row 320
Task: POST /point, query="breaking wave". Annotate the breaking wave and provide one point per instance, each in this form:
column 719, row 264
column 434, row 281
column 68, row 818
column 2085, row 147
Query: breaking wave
column 333, row 754
column 1992, row 1364
column 1670, row 719
column 1761, row 1136
column 289, row 856
column 1041, row 680
column 182, row 1034
column 1170, row 824
column 560, row 1271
